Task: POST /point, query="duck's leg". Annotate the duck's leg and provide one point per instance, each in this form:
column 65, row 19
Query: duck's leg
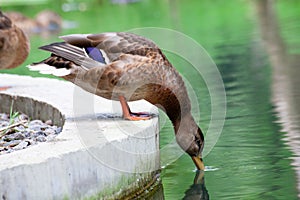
column 127, row 114
column 2, row 88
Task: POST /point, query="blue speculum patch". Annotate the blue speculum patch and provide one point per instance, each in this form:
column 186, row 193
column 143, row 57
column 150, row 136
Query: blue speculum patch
column 95, row 54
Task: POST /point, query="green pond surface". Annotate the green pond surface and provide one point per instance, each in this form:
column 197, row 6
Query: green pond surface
column 256, row 49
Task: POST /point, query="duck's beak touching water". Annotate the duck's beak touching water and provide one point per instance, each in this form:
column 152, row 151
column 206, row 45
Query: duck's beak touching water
column 198, row 162
column 191, row 140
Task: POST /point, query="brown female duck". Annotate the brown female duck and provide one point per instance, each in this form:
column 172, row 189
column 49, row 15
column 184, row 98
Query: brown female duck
column 14, row 45
column 127, row 67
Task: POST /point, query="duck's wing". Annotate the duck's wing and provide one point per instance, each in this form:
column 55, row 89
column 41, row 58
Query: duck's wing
column 72, row 53
column 97, row 51
column 114, row 44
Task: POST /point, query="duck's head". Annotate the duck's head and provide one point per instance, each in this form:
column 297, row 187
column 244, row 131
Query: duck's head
column 190, row 138
column 5, row 22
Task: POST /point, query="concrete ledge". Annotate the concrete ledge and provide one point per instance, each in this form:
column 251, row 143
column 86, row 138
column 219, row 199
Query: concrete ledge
column 34, row 109
column 97, row 155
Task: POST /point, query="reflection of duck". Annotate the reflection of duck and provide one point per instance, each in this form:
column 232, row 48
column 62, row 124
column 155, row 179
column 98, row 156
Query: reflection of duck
column 45, row 22
column 127, row 67
column 197, row 191
column 14, row 45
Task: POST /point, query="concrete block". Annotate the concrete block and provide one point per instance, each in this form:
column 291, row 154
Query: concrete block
column 98, row 154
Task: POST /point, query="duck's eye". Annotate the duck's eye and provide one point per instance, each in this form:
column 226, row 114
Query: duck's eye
column 198, row 141
column 95, row 54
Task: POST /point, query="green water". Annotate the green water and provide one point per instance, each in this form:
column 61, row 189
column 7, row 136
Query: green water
column 257, row 154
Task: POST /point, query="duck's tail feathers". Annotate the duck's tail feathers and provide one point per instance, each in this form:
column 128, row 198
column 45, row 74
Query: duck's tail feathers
column 72, row 53
column 44, row 68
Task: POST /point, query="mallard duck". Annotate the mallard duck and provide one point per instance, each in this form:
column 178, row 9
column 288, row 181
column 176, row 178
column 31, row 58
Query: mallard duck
column 14, row 44
column 127, row 67
column 49, row 21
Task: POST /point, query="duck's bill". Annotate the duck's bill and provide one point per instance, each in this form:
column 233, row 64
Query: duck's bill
column 198, row 162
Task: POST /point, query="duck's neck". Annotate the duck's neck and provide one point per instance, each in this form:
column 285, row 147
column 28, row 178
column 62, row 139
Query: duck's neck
column 177, row 106
column 178, row 115
column 171, row 96
column 184, row 123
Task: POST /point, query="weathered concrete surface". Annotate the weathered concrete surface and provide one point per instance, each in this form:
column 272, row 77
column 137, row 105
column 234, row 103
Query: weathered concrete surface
column 97, row 154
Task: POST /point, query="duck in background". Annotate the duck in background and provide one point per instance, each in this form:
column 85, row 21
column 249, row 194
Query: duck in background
column 14, row 45
column 45, row 23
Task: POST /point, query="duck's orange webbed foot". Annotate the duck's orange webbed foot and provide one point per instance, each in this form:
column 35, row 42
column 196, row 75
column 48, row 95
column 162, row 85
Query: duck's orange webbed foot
column 137, row 116
column 4, row 88
column 127, row 114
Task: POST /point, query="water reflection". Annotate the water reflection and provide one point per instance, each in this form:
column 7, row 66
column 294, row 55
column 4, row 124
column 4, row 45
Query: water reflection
column 197, row 190
column 250, row 153
column 285, row 79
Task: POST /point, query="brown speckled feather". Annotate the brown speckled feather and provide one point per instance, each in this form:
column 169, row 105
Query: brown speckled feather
column 115, row 44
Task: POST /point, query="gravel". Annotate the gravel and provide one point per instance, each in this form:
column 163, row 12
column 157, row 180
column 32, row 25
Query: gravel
column 21, row 132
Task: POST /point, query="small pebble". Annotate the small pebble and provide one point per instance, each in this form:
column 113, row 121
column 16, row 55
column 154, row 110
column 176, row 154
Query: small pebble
column 39, row 133
column 27, row 134
column 13, row 143
column 20, row 128
column 34, row 127
column 49, row 131
column 9, row 150
column 8, row 137
column 4, row 124
column 51, row 138
column 4, row 117
column 19, row 136
column 2, row 143
column 32, row 142
column 41, row 138
column 49, row 122
column 35, row 122
column 22, row 117
column 58, row 130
